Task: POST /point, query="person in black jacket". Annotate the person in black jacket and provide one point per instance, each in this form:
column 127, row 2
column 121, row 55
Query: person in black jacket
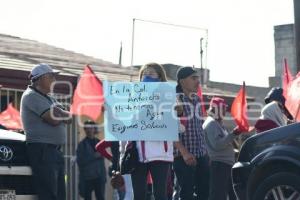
column 92, row 172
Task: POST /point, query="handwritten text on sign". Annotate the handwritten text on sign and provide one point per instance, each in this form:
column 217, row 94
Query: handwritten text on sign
column 140, row 111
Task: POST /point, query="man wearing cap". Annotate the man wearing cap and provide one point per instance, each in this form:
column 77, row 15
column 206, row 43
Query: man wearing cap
column 44, row 124
column 191, row 159
column 220, row 150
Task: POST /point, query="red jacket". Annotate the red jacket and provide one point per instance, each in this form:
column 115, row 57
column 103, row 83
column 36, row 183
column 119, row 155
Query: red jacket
column 264, row 124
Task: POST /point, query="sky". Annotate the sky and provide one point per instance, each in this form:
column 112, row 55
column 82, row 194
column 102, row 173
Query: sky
column 238, row 40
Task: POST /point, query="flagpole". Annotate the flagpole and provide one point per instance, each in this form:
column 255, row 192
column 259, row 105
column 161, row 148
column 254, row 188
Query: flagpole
column 244, row 95
column 297, row 113
column 286, row 70
column 120, row 55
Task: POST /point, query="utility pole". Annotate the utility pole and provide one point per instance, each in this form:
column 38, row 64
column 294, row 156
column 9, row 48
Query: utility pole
column 201, row 53
column 132, row 42
column 201, row 64
column 297, row 32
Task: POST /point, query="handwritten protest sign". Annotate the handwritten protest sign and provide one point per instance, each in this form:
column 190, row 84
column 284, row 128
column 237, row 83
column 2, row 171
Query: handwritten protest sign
column 140, row 111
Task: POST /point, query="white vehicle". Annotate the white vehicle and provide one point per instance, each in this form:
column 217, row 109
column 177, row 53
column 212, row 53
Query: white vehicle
column 15, row 173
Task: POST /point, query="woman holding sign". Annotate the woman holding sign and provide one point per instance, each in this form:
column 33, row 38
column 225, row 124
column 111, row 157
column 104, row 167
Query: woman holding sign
column 154, row 156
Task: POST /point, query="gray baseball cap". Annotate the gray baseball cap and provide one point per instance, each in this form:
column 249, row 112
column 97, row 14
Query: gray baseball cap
column 40, row 70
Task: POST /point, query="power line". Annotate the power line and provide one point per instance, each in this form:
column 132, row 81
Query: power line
column 170, row 24
column 167, row 24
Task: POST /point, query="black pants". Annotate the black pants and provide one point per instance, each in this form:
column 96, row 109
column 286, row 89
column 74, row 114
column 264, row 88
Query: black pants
column 220, row 181
column 47, row 163
column 97, row 185
column 193, row 180
column 159, row 171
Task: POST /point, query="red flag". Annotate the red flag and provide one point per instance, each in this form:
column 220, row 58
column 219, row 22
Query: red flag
column 293, row 98
column 88, row 95
column 239, row 110
column 287, row 78
column 10, row 118
column 199, row 93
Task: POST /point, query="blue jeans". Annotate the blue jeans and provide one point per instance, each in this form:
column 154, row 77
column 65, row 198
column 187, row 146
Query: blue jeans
column 193, row 180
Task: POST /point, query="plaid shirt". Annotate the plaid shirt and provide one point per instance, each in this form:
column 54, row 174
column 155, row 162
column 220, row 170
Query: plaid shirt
column 193, row 137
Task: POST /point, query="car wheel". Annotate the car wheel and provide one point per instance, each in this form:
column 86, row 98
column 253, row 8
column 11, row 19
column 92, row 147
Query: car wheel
column 280, row 186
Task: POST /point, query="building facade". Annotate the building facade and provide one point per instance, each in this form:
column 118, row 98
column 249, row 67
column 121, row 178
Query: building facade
column 284, row 40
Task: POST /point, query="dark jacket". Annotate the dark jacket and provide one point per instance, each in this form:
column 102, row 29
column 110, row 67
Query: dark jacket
column 90, row 163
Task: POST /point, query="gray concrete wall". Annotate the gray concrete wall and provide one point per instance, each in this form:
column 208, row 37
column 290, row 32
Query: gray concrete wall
column 284, row 48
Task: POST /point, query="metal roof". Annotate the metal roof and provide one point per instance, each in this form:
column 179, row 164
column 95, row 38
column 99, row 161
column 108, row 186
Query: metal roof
column 21, row 54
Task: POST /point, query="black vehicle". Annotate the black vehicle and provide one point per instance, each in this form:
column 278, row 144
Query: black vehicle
column 268, row 166
column 15, row 173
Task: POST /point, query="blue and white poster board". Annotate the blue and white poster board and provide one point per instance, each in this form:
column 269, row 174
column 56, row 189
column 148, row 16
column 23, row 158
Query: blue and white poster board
column 137, row 111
